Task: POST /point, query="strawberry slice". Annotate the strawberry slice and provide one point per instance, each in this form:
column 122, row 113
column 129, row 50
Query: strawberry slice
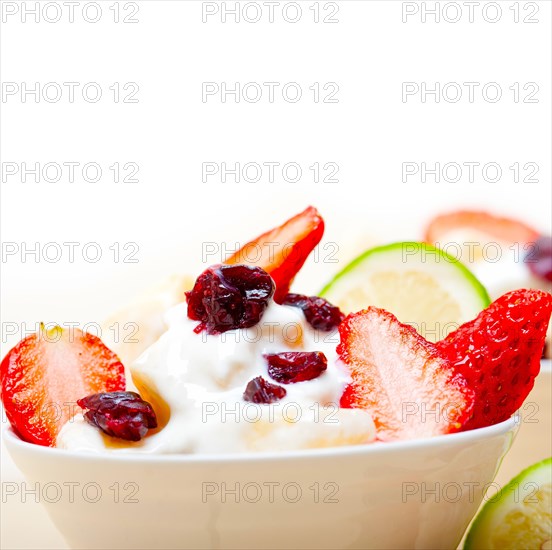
column 498, row 353
column 43, row 376
column 282, row 251
column 400, row 378
column 497, row 228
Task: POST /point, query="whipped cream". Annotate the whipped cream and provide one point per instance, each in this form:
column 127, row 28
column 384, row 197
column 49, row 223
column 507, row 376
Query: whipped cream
column 505, row 275
column 196, row 383
column 497, row 264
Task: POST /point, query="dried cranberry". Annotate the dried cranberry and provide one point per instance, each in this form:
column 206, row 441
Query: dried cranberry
column 227, row 297
column 539, row 258
column 319, row 313
column 259, row 390
column 296, row 366
column 122, row 414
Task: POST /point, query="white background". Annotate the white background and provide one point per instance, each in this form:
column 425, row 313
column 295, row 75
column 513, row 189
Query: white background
column 370, row 52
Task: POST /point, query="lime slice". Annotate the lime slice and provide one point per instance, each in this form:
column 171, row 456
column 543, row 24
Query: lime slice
column 420, row 284
column 520, row 517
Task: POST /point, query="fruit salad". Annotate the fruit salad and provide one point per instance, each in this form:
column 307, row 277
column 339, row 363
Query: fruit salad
column 247, row 365
column 504, row 253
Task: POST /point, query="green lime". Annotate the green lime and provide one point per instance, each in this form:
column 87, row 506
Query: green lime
column 520, row 516
column 420, row 284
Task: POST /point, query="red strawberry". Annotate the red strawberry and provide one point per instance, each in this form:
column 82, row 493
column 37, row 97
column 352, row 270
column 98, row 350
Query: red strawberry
column 43, row 376
column 282, row 251
column 497, row 228
column 400, row 378
column 498, row 353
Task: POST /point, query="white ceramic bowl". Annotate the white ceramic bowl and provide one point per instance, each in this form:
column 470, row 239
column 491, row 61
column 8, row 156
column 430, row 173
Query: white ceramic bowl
column 414, row 494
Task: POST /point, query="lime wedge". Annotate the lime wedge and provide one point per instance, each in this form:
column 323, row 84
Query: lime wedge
column 520, row 517
column 420, row 284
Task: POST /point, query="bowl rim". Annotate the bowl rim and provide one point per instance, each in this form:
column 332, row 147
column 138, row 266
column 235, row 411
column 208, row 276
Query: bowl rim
column 377, row 448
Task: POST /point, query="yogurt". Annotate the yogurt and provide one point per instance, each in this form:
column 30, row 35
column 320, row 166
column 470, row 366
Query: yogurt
column 196, row 382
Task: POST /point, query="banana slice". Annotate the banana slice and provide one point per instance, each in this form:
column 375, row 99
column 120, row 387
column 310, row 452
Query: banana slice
column 132, row 329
